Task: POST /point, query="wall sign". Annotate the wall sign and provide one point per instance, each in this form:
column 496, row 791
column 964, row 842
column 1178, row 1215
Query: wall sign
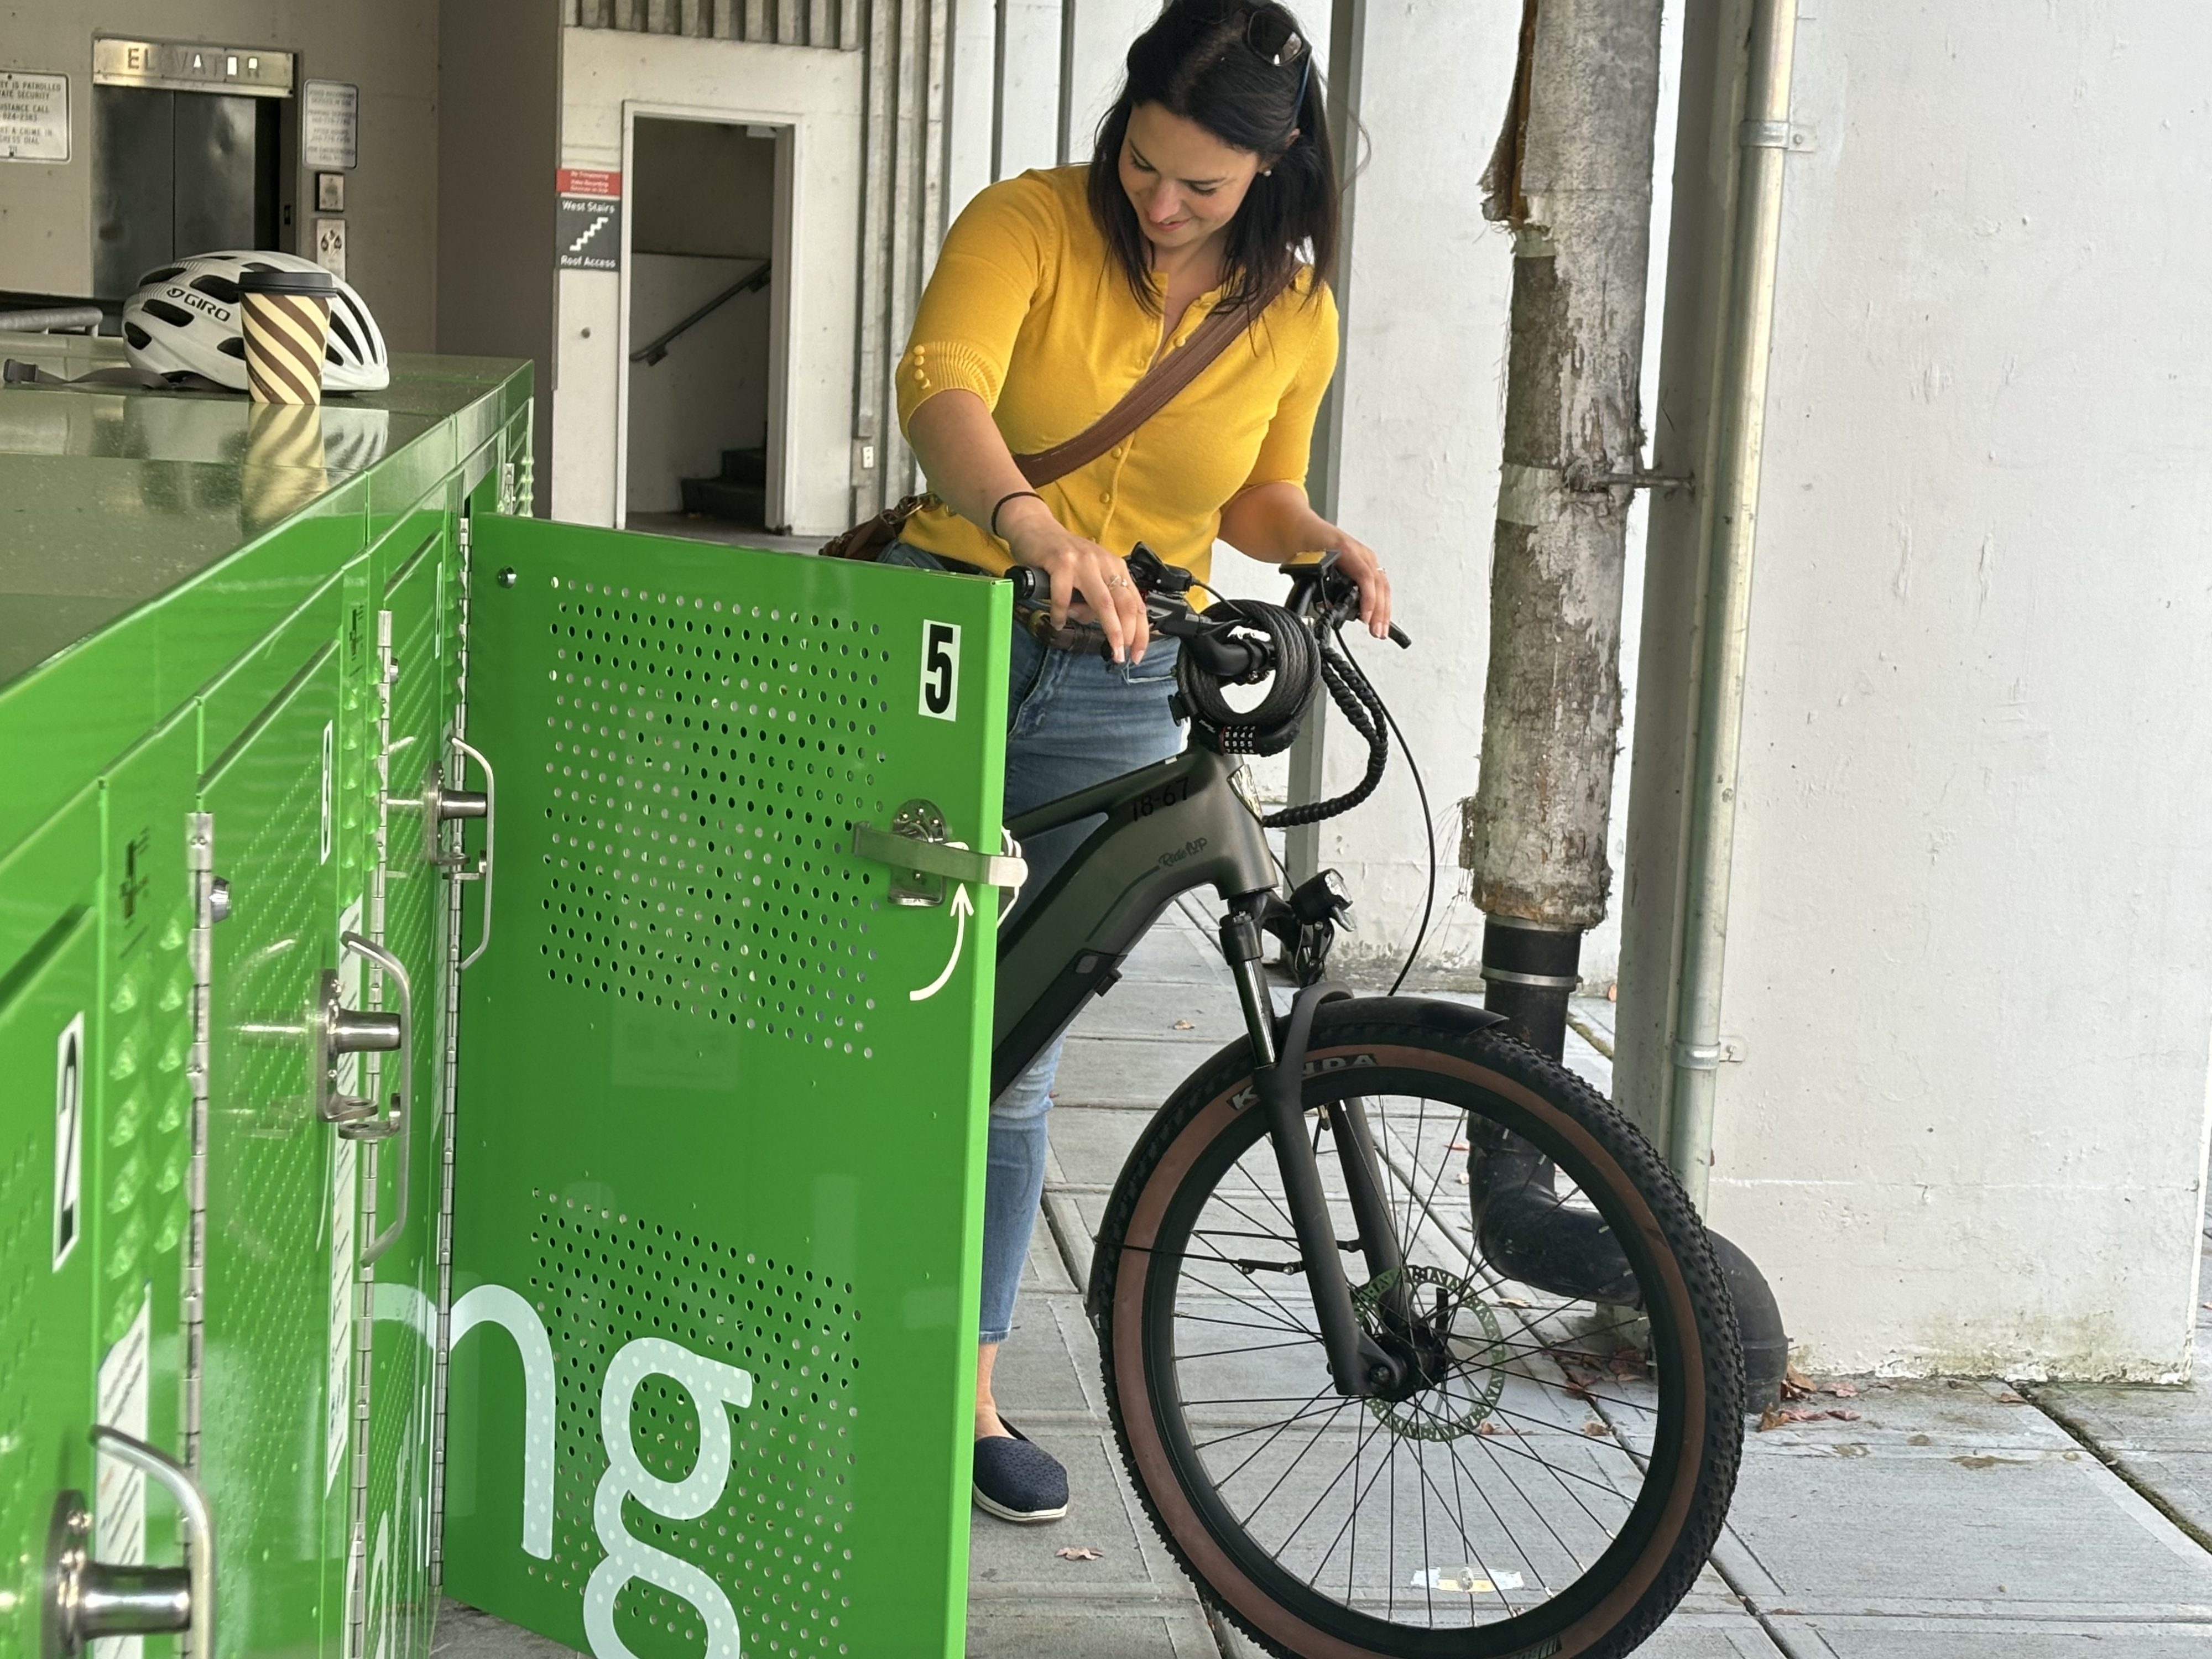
column 589, row 222
column 34, row 123
column 191, row 66
column 329, row 125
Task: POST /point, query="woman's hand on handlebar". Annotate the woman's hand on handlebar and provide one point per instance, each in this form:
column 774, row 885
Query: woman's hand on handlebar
column 1358, row 561
column 1075, row 564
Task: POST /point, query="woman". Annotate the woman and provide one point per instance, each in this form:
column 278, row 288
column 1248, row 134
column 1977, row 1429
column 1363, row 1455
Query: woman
column 1212, row 181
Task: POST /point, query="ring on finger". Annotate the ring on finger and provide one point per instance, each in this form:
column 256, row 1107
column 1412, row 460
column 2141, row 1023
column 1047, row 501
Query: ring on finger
column 1117, row 581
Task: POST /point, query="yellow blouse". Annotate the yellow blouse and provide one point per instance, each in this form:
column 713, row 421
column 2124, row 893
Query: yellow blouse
column 1027, row 311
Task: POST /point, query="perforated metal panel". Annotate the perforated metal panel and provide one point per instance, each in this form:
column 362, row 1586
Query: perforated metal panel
column 706, row 1125
column 394, row 1603
column 607, row 1278
column 264, row 1446
column 705, row 761
column 45, row 1365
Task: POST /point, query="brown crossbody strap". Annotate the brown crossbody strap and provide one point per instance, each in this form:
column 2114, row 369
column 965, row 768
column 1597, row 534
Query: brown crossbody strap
column 1154, row 392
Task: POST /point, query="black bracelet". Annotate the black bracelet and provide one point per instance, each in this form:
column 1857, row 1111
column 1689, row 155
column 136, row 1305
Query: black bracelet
column 1015, row 496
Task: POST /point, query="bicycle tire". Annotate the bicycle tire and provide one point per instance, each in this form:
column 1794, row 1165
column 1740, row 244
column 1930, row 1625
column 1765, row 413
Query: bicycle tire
column 1380, row 1049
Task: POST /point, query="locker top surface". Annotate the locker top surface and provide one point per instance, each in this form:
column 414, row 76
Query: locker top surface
column 112, row 499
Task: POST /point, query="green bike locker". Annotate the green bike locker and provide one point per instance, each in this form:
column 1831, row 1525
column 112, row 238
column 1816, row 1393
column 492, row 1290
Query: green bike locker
column 718, row 1148
column 620, row 1281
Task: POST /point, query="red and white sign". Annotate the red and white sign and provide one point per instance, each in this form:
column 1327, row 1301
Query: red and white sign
column 591, row 181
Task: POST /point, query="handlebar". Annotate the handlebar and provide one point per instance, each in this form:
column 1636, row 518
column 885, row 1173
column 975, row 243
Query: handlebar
column 1320, row 596
column 1296, row 648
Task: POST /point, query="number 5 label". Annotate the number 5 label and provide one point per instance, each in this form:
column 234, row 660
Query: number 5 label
column 940, row 669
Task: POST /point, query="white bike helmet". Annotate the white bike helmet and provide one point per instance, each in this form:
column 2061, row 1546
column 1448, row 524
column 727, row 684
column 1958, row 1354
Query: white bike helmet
column 184, row 319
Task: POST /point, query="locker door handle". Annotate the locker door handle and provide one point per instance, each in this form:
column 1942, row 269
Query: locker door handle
column 402, row 1121
column 922, row 859
column 442, row 806
column 87, row 1599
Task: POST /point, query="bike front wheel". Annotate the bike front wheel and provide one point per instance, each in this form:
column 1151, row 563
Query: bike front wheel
column 1558, row 1467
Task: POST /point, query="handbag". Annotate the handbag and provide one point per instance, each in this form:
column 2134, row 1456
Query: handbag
column 1158, row 387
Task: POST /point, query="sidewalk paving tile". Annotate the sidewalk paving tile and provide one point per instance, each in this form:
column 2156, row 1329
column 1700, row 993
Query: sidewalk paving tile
column 1841, row 1638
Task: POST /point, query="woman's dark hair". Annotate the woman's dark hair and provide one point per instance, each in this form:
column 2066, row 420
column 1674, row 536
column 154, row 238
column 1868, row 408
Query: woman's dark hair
column 1200, row 61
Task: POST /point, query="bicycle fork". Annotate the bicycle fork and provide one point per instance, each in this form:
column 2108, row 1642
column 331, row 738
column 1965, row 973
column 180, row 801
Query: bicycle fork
column 1360, row 1366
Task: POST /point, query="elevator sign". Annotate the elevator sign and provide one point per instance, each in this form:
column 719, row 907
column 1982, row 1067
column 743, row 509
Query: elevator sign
column 34, row 123
column 589, row 222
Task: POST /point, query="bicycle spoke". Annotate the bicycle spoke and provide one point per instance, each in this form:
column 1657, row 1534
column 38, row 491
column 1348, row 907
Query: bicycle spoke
column 1313, row 1480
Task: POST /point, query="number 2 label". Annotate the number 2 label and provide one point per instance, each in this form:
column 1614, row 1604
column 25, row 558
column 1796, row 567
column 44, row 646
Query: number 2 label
column 940, row 669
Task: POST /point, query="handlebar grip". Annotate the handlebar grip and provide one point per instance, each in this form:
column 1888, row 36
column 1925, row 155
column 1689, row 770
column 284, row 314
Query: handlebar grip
column 1032, row 586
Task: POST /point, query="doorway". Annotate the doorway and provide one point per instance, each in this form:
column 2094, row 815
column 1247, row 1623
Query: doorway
column 702, row 438
column 176, row 173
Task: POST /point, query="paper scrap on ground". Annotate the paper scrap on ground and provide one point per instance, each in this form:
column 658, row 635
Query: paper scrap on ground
column 1464, row 1581
column 1080, row 1553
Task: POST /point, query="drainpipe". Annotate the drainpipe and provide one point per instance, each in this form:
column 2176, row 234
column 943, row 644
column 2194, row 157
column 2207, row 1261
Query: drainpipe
column 1731, row 522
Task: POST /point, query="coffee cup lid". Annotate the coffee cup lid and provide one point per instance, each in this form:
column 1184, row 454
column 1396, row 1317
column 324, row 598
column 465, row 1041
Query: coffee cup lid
column 287, row 282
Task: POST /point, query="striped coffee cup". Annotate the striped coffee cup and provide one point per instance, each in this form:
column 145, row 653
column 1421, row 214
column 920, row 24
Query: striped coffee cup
column 287, row 320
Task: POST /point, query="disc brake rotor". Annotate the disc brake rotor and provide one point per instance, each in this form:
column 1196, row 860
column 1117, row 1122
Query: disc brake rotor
column 1475, row 1376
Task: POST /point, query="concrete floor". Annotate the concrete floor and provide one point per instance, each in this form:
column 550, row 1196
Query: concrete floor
column 1947, row 1523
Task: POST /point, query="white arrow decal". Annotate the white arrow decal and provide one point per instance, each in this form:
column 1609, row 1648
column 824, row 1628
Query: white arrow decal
column 963, row 907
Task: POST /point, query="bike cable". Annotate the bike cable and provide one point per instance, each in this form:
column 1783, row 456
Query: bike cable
column 1428, row 827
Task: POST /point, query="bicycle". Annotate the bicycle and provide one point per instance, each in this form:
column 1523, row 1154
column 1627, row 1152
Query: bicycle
column 1523, row 1418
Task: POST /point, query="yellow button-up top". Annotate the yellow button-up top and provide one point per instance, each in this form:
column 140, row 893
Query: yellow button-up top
column 1027, row 311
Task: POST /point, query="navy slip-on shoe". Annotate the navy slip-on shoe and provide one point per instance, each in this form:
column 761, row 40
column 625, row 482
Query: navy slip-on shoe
column 1017, row 1480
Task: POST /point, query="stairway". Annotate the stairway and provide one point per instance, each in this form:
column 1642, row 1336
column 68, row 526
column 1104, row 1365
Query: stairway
column 739, row 493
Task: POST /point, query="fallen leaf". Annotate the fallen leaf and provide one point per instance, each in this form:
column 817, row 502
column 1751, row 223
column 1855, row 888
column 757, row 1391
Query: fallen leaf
column 1511, row 1302
column 1776, row 1417
column 1795, row 1385
column 1579, row 1388
column 1461, row 1146
column 1492, row 1430
column 1844, row 1391
column 1596, row 1430
column 2008, row 1398
column 1847, row 1416
column 1184, row 1025
column 1080, row 1553
column 1613, row 992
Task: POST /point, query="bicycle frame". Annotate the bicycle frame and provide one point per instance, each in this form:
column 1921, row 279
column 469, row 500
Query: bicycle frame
column 1169, row 829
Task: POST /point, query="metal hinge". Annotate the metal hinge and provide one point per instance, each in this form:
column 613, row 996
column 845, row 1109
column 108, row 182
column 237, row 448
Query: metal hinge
column 923, row 861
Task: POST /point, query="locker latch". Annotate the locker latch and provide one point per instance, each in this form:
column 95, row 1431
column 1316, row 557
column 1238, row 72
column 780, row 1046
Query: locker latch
column 923, row 861
column 88, row 1599
column 440, row 805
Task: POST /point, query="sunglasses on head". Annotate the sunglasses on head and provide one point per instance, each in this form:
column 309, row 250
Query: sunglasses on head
column 1270, row 33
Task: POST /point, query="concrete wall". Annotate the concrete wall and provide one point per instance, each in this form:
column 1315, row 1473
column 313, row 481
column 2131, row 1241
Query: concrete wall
column 817, row 93
column 1968, row 955
column 390, row 49
column 499, row 126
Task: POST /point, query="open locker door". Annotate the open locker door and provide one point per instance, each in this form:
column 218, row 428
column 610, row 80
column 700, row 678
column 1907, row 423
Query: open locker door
column 722, row 1097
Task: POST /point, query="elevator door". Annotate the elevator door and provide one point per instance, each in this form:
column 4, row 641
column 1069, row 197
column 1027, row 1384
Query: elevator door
column 176, row 173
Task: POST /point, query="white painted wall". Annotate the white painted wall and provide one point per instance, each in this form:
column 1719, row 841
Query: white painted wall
column 1429, row 283
column 1968, row 955
column 817, row 93
column 1029, row 133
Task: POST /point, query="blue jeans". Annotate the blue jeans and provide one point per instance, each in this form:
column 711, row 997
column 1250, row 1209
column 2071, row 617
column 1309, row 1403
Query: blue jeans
column 1071, row 721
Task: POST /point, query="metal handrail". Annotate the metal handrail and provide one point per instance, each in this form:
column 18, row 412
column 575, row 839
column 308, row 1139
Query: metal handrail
column 51, row 319
column 755, row 279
